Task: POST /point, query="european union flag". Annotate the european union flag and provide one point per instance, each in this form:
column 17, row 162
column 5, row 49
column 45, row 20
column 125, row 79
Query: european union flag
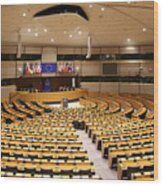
column 48, row 67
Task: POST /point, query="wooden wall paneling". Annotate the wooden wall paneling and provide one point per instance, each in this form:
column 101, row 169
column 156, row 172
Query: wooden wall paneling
column 84, row 51
column 8, row 69
column 12, row 49
column 90, row 68
column 13, row 69
column 147, row 49
column 65, row 50
column 128, row 69
column 147, row 88
column 91, row 86
column 32, row 50
column 130, row 87
column 96, row 50
column 77, row 51
column 8, row 49
column 25, row 82
column 155, row 90
column 6, row 90
column 109, row 50
column 147, row 69
column 109, row 87
column 38, row 82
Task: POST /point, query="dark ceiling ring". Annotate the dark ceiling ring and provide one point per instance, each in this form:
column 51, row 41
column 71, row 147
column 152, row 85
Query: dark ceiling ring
column 63, row 9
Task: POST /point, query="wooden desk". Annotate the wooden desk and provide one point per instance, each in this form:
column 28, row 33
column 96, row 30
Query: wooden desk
column 114, row 154
column 128, row 163
column 48, row 96
column 107, row 144
column 48, row 166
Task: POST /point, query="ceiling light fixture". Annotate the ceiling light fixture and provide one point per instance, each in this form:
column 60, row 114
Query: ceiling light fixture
column 80, row 32
column 102, row 8
column 24, row 14
column 144, row 29
column 77, row 68
column 52, row 40
column 29, row 30
column 70, row 36
column 36, row 34
column 45, row 30
column 128, row 40
column 90, row 6
column 65, row 32
column 107, row 55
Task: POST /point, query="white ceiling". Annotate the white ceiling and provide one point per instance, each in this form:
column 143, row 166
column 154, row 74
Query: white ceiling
column 119, row 24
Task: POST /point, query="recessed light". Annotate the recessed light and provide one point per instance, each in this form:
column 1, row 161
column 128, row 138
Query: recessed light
column 65, row 32
column 52, row 40
column 45, row 30
column 70, row 36
column 77, row 68
column 80, row 32
column 90, row 6
column 102, row 8
column 36, row 34
column 128, row 39
column 107, row 55
column 29, row 30
column 131, row 48
column 144, row 29
column 24, row 14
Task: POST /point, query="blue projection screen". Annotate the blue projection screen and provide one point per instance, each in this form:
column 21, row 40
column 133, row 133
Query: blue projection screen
column 48, row 67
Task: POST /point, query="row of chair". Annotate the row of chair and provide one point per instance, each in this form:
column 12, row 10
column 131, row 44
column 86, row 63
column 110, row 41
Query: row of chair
column 117, row 125
column 125, row 137
column 44, row 146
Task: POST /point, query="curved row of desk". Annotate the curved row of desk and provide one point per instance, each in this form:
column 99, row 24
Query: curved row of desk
column 48, row 97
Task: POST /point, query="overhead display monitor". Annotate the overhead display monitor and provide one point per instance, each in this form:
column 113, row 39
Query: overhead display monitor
column 110, row 69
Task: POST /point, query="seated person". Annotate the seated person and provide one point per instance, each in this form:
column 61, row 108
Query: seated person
column 65, row 103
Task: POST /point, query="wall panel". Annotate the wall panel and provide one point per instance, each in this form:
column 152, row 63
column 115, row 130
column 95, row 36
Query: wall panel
column 92, row 87
column 8, row 69
column 129, row 87
column 128, row 69
column 8, row 49
column 119, row 87
column 12, row 49
column 147, row 89
column 91, row 68
column 146, row 49
column 109, row 87
column 147, row 69
column 6, row 90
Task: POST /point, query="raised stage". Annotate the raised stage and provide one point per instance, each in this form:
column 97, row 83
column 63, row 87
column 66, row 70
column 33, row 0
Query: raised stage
column 48, row 97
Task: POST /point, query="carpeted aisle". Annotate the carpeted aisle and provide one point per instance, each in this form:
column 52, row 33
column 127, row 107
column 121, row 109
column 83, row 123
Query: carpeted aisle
column 101, row 164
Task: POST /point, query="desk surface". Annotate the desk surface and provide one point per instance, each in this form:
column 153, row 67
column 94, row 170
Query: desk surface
column 48, row 96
